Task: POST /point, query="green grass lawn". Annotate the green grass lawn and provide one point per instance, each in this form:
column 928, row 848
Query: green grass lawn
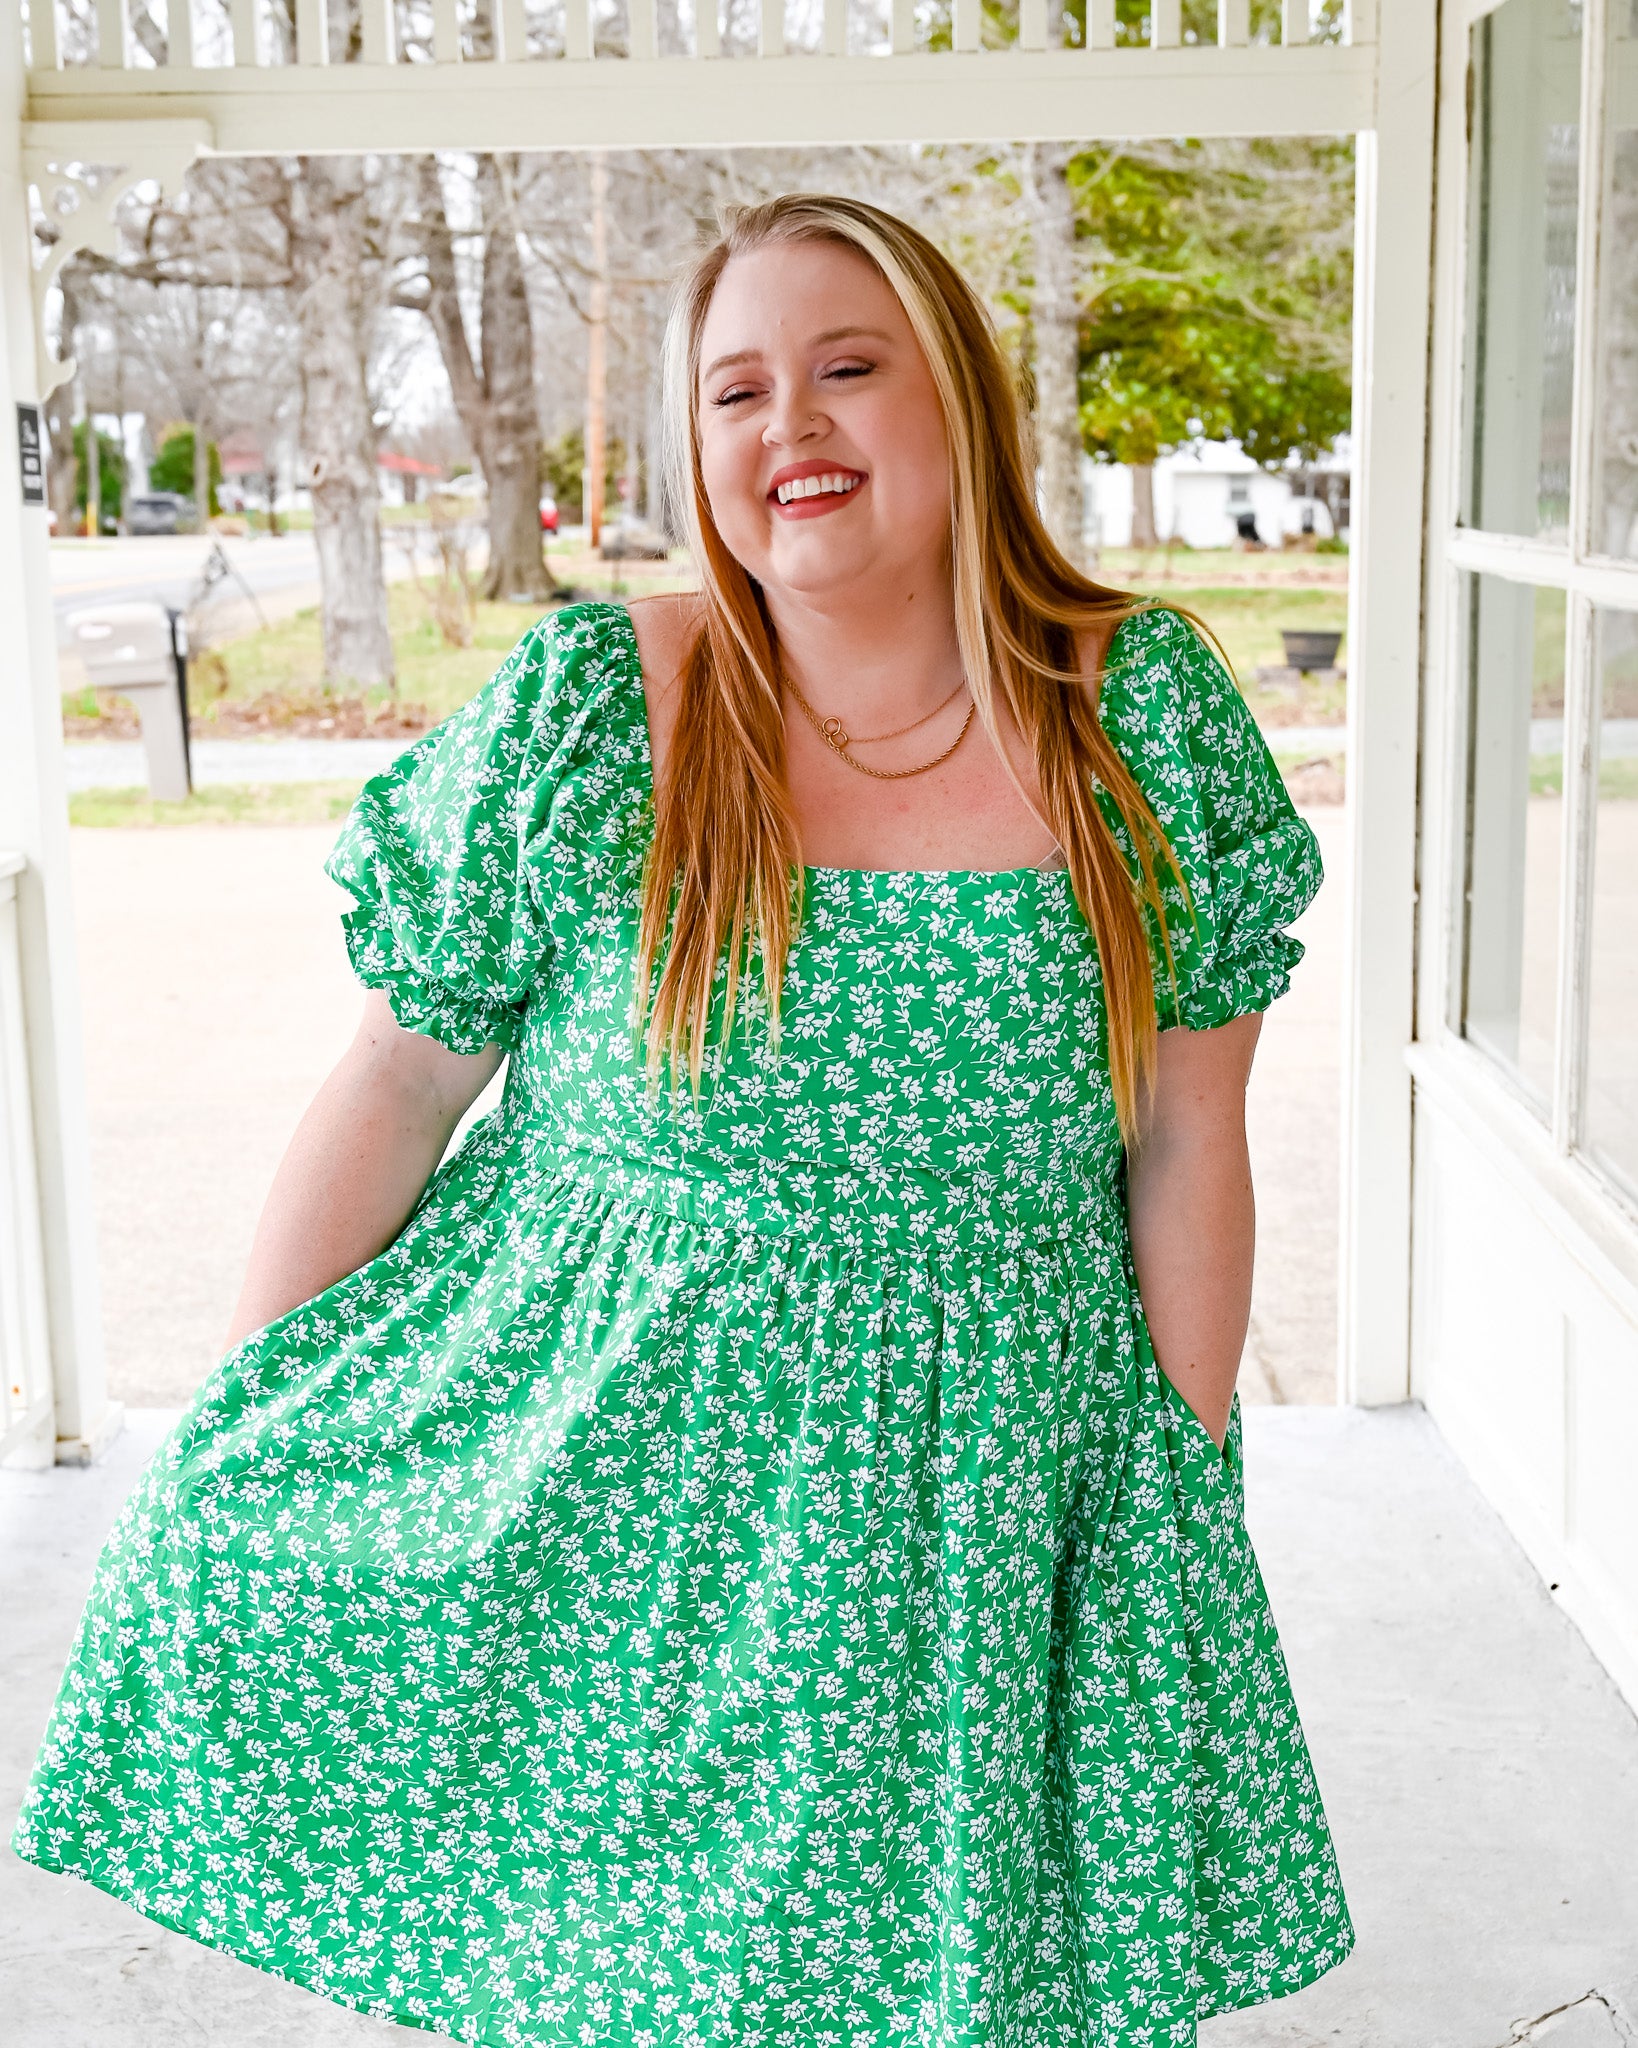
column 277, row 673
column 286, row 659
column 1617, row 780
column 248, row 803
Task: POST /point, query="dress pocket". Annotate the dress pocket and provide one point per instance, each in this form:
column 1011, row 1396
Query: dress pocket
column 1195, row 1440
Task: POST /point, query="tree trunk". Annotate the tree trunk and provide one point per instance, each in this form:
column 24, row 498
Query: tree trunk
column 201, row 473
column 509, row 445
column 498, row 406
column 337, row 431
column 1143, row 506
column 1055, row 318
column 62, row 465
column 93, row 473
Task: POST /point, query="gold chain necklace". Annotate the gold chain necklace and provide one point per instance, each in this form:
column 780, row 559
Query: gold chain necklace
column 837, row 738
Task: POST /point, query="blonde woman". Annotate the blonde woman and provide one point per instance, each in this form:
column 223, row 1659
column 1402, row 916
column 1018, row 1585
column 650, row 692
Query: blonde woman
column 750, row 1548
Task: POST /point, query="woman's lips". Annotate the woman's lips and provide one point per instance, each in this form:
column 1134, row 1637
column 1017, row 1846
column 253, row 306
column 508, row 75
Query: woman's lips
column 818, row 505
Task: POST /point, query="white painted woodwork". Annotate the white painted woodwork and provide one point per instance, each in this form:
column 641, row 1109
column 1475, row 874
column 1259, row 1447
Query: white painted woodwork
column 1165, row 24
column 111, row 34
column 26, row 1430
column 770, row 28
column 927, row 96
column 644, row 46
column 312, row 30
column 1392, row 284
column 55, row 1260
column 708, row 25
column 1234, row 23
column 833, row 37
column 178, row 32
column 1524, row 1334
column 242, row 21
column 42, row 28
column 377, row 27
column 1100, row 25
column 446, row 32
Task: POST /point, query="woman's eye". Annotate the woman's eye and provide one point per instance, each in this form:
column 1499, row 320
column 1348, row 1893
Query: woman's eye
column 851, row 370
column 732, row 396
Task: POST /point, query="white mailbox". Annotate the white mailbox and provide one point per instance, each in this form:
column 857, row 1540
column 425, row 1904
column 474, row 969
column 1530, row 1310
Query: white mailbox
column 141, row 651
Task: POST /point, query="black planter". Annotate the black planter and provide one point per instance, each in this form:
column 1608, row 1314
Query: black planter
column 1307, row 651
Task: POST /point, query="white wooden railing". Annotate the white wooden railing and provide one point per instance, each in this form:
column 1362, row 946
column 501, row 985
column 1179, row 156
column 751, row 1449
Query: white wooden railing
column 187, row 35
column 26, row 1433
column 285, row 76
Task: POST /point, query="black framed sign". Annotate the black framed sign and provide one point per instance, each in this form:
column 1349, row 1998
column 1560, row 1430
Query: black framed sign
column 31, row 453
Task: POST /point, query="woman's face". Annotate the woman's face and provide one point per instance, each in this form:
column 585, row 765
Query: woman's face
column 821, row 435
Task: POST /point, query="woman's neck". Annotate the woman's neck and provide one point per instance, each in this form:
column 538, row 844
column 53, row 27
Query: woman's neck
column 898, row 655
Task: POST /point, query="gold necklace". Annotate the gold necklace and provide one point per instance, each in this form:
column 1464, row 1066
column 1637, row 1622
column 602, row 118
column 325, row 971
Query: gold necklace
column 837, row 738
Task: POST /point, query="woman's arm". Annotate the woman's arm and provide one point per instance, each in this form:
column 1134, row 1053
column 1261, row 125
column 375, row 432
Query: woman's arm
column 1193, row 1219
column 361, row 1157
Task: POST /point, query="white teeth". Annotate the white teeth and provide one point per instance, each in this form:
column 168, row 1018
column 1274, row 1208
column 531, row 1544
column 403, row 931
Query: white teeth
column 815, row 486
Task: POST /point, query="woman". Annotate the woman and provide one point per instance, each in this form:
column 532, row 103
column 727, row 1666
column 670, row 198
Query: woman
column 751, row 1549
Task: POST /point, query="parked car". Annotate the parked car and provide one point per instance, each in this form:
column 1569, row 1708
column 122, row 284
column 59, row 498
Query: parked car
column 548, row 513
column 159, row 512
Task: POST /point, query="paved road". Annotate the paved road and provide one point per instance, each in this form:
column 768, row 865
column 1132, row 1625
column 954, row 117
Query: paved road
column 281, row 571
column 119, row 764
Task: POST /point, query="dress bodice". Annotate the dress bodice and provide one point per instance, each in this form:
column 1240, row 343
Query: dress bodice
column 941, row 1075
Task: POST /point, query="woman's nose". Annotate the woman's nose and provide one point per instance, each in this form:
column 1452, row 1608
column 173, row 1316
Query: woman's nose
column 792, row 419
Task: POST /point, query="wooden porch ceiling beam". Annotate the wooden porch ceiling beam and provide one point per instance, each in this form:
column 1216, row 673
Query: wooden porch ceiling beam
column 684, row 103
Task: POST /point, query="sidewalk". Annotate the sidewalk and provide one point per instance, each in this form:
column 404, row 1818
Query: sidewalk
column 1478, row 1769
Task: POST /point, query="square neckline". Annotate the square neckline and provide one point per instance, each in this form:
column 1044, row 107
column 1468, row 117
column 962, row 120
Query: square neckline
column 950, row 876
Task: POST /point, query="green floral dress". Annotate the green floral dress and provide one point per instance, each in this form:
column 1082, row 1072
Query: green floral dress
column 734, row 1574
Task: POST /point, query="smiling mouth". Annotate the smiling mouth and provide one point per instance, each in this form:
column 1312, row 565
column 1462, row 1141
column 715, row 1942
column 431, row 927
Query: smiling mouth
column 834, row 483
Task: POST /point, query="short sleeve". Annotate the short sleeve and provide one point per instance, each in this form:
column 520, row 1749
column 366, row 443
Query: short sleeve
column 1251, row 861
column 436, row 853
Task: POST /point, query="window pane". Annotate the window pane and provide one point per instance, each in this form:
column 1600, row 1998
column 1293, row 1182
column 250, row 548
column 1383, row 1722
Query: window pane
column 1612, row 1036
column 1615, row 490
column 1521, row 287
column 1516, row 803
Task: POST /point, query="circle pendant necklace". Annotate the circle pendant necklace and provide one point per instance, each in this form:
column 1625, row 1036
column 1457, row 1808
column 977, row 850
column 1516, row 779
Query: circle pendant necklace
column 836, row 736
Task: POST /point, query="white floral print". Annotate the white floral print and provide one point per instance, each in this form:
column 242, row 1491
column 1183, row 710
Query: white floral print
column 728, row 1573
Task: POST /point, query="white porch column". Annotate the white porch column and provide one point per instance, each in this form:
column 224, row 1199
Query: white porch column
column 34, row 819
column 1392, row 294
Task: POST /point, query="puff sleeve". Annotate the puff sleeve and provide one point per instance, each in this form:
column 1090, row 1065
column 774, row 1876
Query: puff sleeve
column 436, row 855
column 1251, row 861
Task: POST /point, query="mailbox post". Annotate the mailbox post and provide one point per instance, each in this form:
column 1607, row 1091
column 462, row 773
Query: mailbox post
column 141, row 650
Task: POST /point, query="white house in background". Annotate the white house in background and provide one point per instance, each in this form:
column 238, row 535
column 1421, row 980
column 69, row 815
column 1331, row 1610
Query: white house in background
column 1204, row 492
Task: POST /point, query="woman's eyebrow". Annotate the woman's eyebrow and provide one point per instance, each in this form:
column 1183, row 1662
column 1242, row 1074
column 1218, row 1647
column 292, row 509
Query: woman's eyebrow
column 754, row 355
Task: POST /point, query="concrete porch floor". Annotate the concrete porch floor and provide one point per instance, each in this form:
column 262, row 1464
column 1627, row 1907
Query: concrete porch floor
column 1478, row 1767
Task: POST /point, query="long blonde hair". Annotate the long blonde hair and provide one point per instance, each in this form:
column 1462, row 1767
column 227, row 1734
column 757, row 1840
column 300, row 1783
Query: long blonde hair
column 723, row 865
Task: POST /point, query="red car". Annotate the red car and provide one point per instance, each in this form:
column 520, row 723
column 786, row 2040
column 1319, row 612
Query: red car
column 548, row 515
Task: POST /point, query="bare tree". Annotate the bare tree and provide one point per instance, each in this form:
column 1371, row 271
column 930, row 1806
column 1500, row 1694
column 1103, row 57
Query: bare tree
column 1055, row 318
column 328, row 246
column 494, row 394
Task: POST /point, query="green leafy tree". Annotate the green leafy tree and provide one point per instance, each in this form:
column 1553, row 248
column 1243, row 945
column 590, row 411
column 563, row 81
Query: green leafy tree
column 110, row 471
column 1220, row 296
column 172, row 468
column 563, row 471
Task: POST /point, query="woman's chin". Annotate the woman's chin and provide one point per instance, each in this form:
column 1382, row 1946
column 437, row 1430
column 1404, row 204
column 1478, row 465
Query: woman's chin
column 818, row 570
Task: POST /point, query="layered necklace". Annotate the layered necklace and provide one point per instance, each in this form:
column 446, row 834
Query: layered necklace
column 841, row 741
